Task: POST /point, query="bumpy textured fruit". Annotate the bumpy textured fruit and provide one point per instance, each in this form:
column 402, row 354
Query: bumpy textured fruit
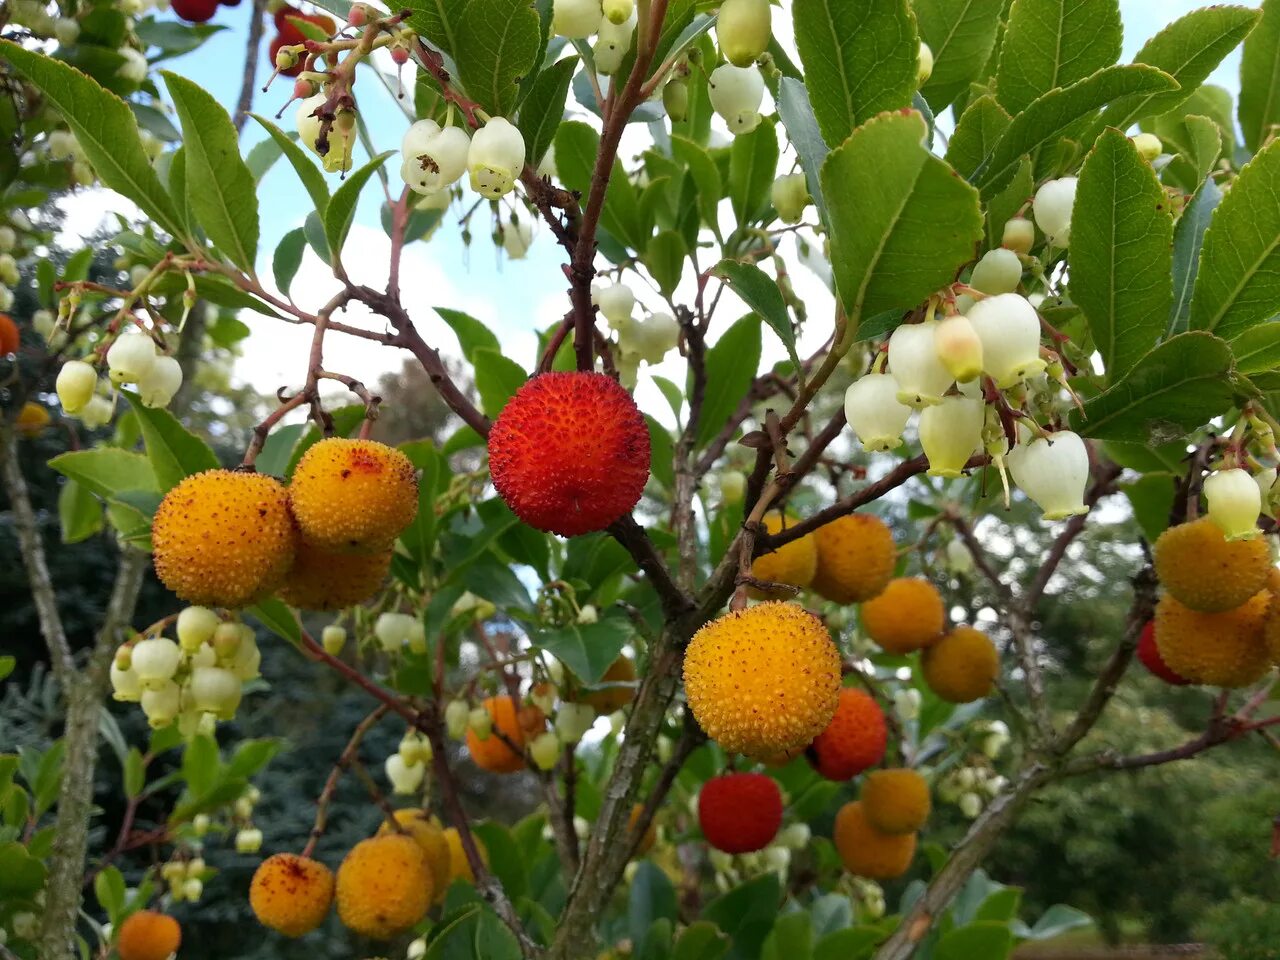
column 1207, row 572
column 895, row 801
column 622, row 670
column 962, row 666
column 1149, row 654
column 763, row 680
column 459, row 865
column 425, row 830
column 866, row 851
column 1225, row 649
column 856, row 556
column 492, row 753
column 384, row 886
column 9, row 338
column 223, row 538
column 354, row 496
column 740, row 812
column 570, row 452
column 31, row 419
column 906, row 616
column 853, row 741
column 147, row 935
column 793, row 563
column 291, row 894
column 324, row 580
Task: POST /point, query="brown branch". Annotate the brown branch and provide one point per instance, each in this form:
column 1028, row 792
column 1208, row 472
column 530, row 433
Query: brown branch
column 252, row 48
column 348, row 754
column 691, row 738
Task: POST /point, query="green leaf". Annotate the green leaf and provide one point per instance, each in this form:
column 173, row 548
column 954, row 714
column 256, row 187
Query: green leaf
column 7, row 665
column 989, row 939
column 1238, row 283
column 706, row 176
column 701, row 941
column 586, row 649
column 495, row 45
column 1121, row 252
column 731, row 367
column 109, row 888
column 790, row 939
column 1151, row 498
column 753, row 165
column 288, row 258
column 543, row 109
column 276, row 616
column 1257, row 350
column 437, row 20
column 1196, row 144
column 252, row 755
column 664, row 256
column 980, row 128
column 105, row 128
column 497, row 379
column 21, row 875
column 760, row 292
column 79, row 512
column 859, row 59
column 747, row 914
column 577, row 146
column 472, row 334
column 802, row 130
column 1178, row 386
column 1260, row 79
column 175, row 453
column 1053, row 114
column 1188, row 239
column 220, row 189
column 962, row 35
column 853, row 943
column 902, row 222
column 495, row 581
column 494, row 939
column 652, row 898
column 341, row 211
column 200, row 764
column 1057, row 920
column 106, row 471
column 306, row 169
column 419, row 538
column 135, row 773
column 1054, row 43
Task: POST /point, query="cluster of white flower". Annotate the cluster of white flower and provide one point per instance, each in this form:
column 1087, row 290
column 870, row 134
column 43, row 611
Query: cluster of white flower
column 407, row 767
column 248, row 837
column 185, row 878
column 649, row 339
column 970, row 788
column 131, row 359
column 733, row 869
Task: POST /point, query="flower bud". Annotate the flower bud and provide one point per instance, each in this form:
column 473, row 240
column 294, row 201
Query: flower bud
column 495, row 158
column 924, row 64
column 125, row 685
column 1234, row 503
column 736, row 94
column 97, row 412
column 333, row 638
column 196, row 626
column 192, row 889
column 1053, row 472
column 1019, row 235
column 906, row 704
column 576, row 19
column 573, row 720
column 675, row 99
column 9, row 269
column 1149, row 146
column 1052, row 209
column 159, row 384
column 76, row 384
column 618, row 11
column 970, row 804
column 226, row 641
column 457, row 717
column 248, row 657
column 417, row 949
column 796, row 836
column 999, row 271
column 155, row 660
column 393, row 630
column 958, row 347
column 202, row 657
column 720, row 861
column 434, row 157
column 215, row 690
column 358, row 15
column 612, row 43
column 875, row 414
column 480, row 722
column 405, row 778
column 8, row 239
column 517, row 238
column 616, row 303
column 743, row 30
column 994, row 785
column 914, row 363
column 790, row 195
column 1009, row 329
column 134, row 67
column 655, row 337
column 545, row 750
column 131, row 357
column 415, row 748
column 249, row 840
column 200, row 824
column 950, row 433
column 958, row 557
column 161, row 703
column 25, row 925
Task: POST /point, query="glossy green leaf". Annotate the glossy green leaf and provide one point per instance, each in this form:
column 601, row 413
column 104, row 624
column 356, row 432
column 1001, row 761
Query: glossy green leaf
column 1188, row 240
column 106, row 471
column 854, row 943
column 21, row 875
column 664, row 256
column 200, row 764
column 790, row 939
column 79, row 512
column 731, row 367
column 1121, row 252
column 472, row 334
column 306, row 169
column 109, row 888
column 980, row 128
column 988, row 939
column 802, row 130
column 577, row 146
column 437, row 20
column 700, row 941
column 902, row 222
column 1057, row 920
column 753, row 165
column 1050, row 44
column 495, row 45
column 135, row 773
column 341, row 211
column 220, row 189
column 497, row 379
column 760, row 292
column 586, row 649
column 543, row 109
column 1195, row 143
column 962, row 36
column 652, row 898
column 1260, row 78
column 276, row 616
column 288, row 258
column 706, row 176
column 1151, row 498
column 859, row 59
column 747, row 913
column 174, row 451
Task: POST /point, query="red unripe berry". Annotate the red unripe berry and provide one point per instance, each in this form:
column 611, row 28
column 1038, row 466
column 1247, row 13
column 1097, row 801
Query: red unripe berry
column 195, row 11
column 570, row 452
column 740, row 812
column 1149, row 654
column 304, row 89
column 854, row 739
column 400, row 56
column 358, row 16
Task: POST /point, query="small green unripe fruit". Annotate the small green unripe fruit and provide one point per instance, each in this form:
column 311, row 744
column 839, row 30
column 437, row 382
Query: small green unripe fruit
column 1149, row 146
column 743, row 30
column 1019, row 235
column 675, row 99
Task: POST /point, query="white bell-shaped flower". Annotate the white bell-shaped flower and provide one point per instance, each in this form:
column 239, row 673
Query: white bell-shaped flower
column 1052, row 209
column 914, row 363
column 950, row 433
column 743, row 30
column 1053, row 472
column 1019, row 235
column 338, row 156
column 924, row 64
column 248, row 657
column 405, row 778
column 545, row 750
column 790, row 195
column 655, row 337
column 736, row 94
column 612, row 43
column 125, row 685
column 959, row 347
column 393, row 630
column 134, row 66
column 434, row 157
column 1234, row 502
column 1010, row 332
column 76, row 384
column 496, row 158
column 155, row 660
column 617, row 303
column 573, row 720
column 131, row 357
column 575, row 19
column 999, row 271
column 159, row 384
column 195, row 627
column 1149, row 145
column 875, row 414
column 333, row 638
column 517, row 238
column 97, row 412
column 457, row 716
column 618, row 11
column 215, row 690
column 161, row 704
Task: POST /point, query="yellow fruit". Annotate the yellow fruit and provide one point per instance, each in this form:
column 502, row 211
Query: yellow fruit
column 459, row 865
column 866, row 851
column 793, row 563
column 906, row 616
column 895, row 801
column 322, row 580
column 650, row 835
column 147, row 935
column 1226, row 649
column 609, row 701
column 962, row 666
column 384, row 886
column 291, row 894
column 764, row 680
column 493, row 753
column 424, row 829
column 856, row 557
column 31, row 420
column 353, row 496
column 1271, row 630
column 223, row 538
column 1207, row 572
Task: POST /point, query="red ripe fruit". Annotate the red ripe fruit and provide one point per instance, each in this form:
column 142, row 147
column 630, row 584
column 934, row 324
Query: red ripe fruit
column 854, row 739
column 1149, row 654
column 195, row 11
column 10, row 339
column 570, row 452
column 740, row 812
